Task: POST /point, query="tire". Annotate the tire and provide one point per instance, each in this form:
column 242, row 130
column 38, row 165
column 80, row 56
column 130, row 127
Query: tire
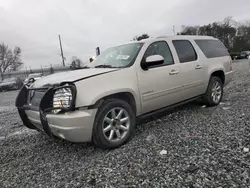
column 208, row 98
column 101, row 137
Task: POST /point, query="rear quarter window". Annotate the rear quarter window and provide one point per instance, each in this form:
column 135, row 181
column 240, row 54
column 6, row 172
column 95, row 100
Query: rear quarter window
column 212, row 48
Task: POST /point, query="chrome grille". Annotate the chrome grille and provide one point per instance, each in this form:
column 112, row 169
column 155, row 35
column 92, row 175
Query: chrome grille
column 35, row 97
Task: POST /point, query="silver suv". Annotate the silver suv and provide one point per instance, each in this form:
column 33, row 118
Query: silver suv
column 101, row 102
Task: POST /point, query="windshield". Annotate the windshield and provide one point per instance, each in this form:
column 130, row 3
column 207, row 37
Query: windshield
column 117, row 57
column 9, row 80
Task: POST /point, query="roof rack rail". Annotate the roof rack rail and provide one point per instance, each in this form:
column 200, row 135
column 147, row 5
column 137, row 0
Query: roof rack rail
column 163, row 36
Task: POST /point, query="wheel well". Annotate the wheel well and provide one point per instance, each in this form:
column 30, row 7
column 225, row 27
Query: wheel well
column 126, row 96
column 220, row 74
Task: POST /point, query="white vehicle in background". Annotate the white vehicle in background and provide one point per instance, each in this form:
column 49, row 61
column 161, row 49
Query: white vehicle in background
column 32, row 76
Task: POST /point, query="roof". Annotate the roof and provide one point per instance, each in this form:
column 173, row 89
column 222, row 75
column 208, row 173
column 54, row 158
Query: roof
column 187, row 37
column 173, row 37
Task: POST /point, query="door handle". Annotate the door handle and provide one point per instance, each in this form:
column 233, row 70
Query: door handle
column 173, row 72
column 198, row 67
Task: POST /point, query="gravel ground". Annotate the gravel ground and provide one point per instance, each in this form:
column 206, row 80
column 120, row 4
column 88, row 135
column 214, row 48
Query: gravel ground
column 190, row 146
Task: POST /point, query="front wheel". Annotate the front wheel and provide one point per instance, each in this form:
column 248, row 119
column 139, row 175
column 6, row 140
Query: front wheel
column 114, row 124
column 214, row 93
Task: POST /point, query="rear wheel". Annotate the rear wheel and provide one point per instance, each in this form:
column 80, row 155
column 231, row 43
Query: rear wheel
column 214, row 93
column 114, row 124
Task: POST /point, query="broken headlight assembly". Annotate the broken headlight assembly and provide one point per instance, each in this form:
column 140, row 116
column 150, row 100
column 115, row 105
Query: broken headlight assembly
column 64, row 98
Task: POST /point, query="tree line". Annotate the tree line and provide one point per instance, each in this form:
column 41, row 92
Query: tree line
column 235, row 35
column 10, row 59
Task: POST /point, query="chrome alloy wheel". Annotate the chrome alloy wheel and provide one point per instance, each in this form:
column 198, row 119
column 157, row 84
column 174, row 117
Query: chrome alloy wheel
column 216, row 92
column 116, row 124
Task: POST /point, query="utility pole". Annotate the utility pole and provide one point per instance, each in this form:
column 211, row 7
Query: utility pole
column 61, row 50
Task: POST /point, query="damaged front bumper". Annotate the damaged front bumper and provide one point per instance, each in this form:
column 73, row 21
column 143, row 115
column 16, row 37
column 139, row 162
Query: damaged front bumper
column 72, row 124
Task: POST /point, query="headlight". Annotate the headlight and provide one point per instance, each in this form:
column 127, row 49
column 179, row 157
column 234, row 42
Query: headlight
column 62, row 98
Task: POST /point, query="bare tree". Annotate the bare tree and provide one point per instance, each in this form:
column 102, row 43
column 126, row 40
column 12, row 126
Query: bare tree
column 10, row 60
column 229, row 22
column 226, row 30
column 189, row 30
column 76, row 62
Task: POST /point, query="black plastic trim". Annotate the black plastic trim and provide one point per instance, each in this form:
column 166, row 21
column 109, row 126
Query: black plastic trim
column 22, row 96
column 164, row 109
column 20, row 104
column 25, row 119
column 43, row 105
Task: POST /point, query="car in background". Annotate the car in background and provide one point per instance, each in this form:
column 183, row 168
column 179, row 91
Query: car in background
column 234, row 55
column 11, row 84
column 244, row 55
column 33, row 77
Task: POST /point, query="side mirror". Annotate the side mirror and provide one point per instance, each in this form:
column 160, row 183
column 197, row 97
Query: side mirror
column 152, row 60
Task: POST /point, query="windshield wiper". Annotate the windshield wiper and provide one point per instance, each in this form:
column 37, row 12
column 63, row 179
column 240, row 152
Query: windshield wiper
column 105, row 66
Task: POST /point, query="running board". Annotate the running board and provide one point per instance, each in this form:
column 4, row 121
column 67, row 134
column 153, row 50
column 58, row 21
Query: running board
column 155, row 112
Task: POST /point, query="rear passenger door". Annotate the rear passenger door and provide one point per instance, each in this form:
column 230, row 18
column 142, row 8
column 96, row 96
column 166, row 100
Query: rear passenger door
column 192, row 72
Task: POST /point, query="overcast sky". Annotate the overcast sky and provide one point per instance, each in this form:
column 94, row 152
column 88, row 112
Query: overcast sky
column 34, row 25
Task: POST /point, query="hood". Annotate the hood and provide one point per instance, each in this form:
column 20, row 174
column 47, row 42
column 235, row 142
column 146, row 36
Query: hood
column 70, row 76
column 6, row 83
column 26, row 80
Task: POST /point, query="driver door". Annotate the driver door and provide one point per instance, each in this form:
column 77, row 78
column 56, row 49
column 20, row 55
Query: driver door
column 159, row 85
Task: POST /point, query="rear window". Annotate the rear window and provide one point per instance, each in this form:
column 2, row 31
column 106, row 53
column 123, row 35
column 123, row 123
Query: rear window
column 212, row 48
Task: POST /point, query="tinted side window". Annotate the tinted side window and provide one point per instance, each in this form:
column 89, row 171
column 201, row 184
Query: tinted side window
column 185, row 51
column 212, row 48
column 160, row 48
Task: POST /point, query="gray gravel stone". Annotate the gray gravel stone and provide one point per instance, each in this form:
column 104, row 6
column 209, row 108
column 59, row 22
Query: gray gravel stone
column 211, row 138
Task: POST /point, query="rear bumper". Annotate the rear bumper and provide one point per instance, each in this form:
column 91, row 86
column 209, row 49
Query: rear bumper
column 73, row 126
column 228, row 77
